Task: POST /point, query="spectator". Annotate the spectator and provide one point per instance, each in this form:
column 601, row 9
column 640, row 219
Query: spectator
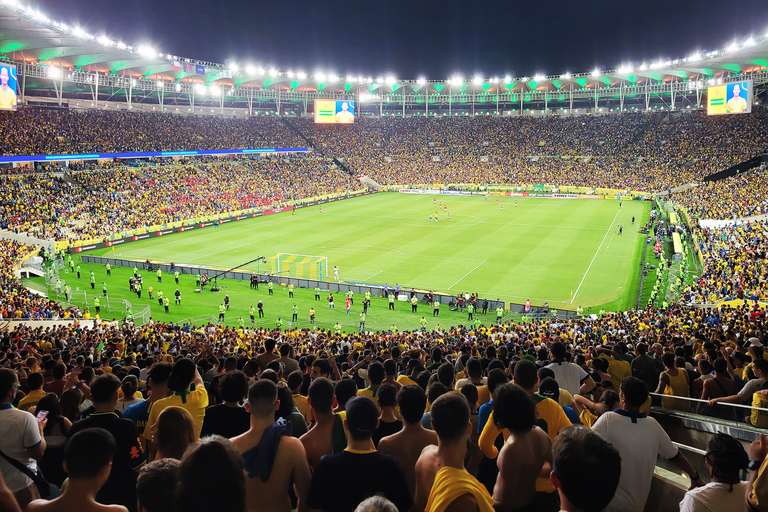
column 21, row 439
column 120, row 487
column 88, row 461
column 353, row 467
column 173, row 433
column 213, row 463
column 388, row 422
column 156, row 486
column 273, row 459
column 228, row 419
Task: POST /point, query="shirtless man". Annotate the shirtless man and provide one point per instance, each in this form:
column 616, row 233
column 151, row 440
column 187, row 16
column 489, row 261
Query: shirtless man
column 319, row 440
column 267, row 491
column 88, row 462
column 442, row 483
column 407, row 444
column 526, row 455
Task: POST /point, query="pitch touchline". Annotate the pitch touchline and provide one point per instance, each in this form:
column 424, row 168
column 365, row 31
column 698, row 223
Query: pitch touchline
column 595, row 256
column 465, row 275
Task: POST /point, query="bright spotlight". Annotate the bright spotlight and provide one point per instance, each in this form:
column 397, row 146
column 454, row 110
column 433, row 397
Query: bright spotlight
column 391, row 80
column 478, row 80
column 595, row 73
column 160, row 84
column 177, row 87
column 538, row 78
column 273, row 72
column 146, row 51
column 733, row 47
column 566, row 76
column 320, row 76
column 250, row 69
column 301, row 75
column 234, row 67
column 333, row 78
column 508, row 79
column 421, row 81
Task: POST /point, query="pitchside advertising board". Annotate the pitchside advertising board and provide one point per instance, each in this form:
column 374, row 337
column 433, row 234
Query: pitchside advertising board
column 735, row 98
column 8, row 81
column 334, row 112
column 205, row 224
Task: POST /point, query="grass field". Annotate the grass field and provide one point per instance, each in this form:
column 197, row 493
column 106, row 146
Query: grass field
column 543, row 250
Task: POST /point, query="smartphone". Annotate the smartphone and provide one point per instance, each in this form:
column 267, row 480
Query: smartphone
column 42, row 415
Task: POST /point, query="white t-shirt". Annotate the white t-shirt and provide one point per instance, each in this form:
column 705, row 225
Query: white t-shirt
column 568, row 376
column 715, row 497
column 462, row 382
column 18, row 432
column 638, row 439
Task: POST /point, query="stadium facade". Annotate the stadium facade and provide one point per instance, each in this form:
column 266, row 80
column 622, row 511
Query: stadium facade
column 65, row 66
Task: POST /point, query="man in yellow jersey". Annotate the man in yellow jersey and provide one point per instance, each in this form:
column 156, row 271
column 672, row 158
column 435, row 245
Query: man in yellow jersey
column 344, row 115
column 7, row 93
column 734, row 105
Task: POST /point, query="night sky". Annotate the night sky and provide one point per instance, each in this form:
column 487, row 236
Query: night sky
column 421, row 38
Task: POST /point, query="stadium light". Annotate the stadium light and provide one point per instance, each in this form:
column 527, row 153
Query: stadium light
column 250, row 69
column 495, row 80
column 391, row 80
column 749, row 42
column 421, row 81
column 160, row 84
column 566, row 76
column 333, row 78
column 79, row 32
column 105, row 41
column 234, row 67
column 260, row 71
column 290, row 74
column 733, row 47
column 625, row 69
column 539, row 77
column 456, row 80
column 477, row 80
column 595, row 73
column 508, row 79
column 177, row 87
column 379, row 80
column 133, row 82
column 696, row 57
column 146, row 51
column 320, row 76
column 54, row 72
column 273, row 72
column 301, row 75
column 121, row 45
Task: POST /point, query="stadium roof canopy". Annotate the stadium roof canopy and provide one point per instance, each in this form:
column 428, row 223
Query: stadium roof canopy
column 48, row 52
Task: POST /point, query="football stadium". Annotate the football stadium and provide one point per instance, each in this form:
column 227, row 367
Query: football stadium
column 248, row 286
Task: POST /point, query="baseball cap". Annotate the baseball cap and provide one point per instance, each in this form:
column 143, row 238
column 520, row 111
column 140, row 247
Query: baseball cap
column 182, row 375
column 362, row 414
column 549, row 388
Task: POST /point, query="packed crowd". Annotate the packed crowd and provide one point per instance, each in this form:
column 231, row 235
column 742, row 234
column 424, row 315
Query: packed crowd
column 92, row 204
column 742, row 195
column 42, row 131
column 474, row 419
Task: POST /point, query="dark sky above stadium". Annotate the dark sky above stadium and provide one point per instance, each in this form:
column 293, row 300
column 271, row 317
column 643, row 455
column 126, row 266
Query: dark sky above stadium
column 415, row 38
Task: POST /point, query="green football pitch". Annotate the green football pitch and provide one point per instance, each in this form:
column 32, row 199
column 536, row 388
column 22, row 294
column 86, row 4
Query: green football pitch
column 567, row 252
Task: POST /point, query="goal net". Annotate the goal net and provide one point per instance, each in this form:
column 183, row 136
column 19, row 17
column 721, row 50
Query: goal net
column 299, row 265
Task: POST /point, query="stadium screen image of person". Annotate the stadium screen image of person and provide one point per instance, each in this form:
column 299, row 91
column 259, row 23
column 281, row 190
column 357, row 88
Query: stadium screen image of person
column 733, row 98
column 7, row 87
column 334, row 111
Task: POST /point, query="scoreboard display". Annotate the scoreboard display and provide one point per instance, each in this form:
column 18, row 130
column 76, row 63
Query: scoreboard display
column 8, row 80
column 334, row 111
column 735, row 98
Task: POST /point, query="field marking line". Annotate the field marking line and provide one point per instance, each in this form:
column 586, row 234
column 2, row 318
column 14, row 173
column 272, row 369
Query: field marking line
column 373, row 275
column 565, row 203
column 466, row 275
column 373, row 246
column 595, row 256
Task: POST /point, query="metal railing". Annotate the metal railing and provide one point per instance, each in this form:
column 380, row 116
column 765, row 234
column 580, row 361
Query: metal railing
column 699, row 400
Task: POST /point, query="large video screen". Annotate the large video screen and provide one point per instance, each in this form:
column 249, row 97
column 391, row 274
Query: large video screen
column 8, row 81
column 735, row 98
column 334, row 111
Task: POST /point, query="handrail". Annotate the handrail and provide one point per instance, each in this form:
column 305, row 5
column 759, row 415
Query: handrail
column 707, row 401
column 687, row 448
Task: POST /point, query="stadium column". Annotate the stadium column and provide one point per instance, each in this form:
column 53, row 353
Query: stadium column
column 571, row 98
column 23, row 70
column 672, row 93
column 647, row 97
column 95, row 90
column 621, row 97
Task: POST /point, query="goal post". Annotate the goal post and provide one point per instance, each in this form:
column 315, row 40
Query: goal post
column 304, row 266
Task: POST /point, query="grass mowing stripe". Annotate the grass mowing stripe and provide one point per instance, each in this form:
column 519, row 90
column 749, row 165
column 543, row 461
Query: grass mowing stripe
column 595, row 256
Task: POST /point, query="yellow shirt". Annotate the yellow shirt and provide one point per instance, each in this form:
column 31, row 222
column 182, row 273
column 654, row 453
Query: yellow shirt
column 7, row 99
column 194, row 402
column 452, row 483
column 300, row 401
column 31, row 399
column 406, row 380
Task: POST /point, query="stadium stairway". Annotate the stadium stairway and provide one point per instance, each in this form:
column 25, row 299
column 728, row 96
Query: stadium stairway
column 339, row 164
